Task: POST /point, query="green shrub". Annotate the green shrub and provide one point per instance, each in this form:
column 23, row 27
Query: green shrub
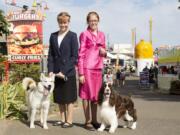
column 175, row 87
column 19, row 71
column 12, row 101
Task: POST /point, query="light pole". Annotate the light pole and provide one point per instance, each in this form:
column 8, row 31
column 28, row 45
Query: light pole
column 133, row 40
column 150, row 30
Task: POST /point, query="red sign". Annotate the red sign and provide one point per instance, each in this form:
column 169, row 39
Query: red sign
column 25, row 41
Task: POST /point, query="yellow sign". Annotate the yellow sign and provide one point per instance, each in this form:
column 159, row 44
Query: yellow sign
column 28, row 15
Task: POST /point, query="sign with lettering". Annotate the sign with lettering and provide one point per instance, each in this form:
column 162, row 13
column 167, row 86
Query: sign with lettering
column 25, row 42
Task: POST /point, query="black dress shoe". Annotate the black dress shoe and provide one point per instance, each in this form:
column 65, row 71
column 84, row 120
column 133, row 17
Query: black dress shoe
column 96, row 125
column 89, row 127
column 58, row 123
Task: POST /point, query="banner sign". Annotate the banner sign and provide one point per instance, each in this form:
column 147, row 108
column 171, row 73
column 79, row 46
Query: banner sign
column 25, row 57
column 25, row 41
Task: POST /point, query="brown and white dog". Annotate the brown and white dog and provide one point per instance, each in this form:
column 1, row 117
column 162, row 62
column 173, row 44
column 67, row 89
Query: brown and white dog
column 113, row 106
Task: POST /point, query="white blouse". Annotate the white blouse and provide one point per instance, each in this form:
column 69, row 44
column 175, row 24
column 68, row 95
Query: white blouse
column 61, row 37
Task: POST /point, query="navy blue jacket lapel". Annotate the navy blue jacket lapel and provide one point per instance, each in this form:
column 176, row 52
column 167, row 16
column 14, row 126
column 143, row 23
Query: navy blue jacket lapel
column 63, row 41
column 56, row 42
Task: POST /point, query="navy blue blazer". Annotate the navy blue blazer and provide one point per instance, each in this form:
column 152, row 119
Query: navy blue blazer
column 63, row 59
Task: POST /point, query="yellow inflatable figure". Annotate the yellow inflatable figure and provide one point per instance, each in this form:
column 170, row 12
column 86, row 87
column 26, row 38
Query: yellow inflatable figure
column 143, row 55
column 143, row 50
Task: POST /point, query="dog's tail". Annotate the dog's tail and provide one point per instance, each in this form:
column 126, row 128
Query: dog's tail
column 28, row 83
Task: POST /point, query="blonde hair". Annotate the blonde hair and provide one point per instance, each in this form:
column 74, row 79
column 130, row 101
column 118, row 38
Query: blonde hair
column 63, row 17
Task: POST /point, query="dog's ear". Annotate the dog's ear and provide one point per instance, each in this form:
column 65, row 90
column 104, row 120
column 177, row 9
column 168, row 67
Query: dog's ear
column 101, row 95
column 42, row 76
column 112, row 99
column 53, row 77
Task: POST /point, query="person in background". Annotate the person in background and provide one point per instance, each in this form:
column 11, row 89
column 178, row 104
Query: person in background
column 122, row 77
column 90, row 65
column 118, row 74
column 151, row 74
column 62, row 58
column 108, row 77
column 146, row 69
column 156, row 70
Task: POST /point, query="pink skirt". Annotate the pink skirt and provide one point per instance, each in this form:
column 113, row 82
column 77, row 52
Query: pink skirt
column 93, row 81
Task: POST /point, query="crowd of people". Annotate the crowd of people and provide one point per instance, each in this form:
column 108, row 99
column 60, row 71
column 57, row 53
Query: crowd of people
column 153, row 73
column 155, row 70
column 116, row 76
column 169, row 70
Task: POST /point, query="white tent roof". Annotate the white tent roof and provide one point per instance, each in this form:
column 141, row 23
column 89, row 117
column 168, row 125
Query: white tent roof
column 121, row 56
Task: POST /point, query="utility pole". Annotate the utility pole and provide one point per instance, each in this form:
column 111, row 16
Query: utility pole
column 150, row 30
column 133, row 31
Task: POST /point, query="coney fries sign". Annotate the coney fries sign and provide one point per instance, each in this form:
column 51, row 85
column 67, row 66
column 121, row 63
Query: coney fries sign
column 25, row 41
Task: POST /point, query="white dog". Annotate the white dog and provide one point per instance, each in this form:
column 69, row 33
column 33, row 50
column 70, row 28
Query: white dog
column 38, row 97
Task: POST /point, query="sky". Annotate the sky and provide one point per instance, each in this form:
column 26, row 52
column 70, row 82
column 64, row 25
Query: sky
column 117, row 18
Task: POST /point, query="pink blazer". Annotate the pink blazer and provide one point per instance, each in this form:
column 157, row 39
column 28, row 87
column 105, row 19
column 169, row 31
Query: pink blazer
column 89, row 57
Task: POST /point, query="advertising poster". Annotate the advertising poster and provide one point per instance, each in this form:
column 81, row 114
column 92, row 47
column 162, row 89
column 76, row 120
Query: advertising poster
column 25, row 41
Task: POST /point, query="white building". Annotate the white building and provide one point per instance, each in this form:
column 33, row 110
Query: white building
column 124, row 52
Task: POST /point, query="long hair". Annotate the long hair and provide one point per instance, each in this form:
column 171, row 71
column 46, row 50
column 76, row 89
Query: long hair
column 101, row 95
column 112, row 99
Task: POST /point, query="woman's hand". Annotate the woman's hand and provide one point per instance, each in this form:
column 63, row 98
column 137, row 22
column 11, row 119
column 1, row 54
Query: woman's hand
column 60, row 75
column 102, row 51
column 82, row 79
column 51, row 74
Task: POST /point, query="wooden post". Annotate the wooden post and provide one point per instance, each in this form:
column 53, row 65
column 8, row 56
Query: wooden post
column 6, row 64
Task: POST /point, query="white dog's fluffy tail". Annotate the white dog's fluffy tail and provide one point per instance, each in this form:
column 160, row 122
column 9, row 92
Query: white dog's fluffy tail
column 28, row 83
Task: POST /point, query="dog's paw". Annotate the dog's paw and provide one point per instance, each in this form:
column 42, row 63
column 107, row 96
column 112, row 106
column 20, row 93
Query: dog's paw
column 45, row 127
column 32, row 126
column 125, row 126
column 100, row 129
column 133, row 126
column 111, row 131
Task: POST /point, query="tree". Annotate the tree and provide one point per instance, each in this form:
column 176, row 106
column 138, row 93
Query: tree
column 3, row 24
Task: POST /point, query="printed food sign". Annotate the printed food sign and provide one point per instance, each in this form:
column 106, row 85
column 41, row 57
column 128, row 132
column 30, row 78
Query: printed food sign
column 25, row 40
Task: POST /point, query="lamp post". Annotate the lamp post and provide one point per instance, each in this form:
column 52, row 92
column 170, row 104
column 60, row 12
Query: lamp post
column 133, row 41
column 150, row 30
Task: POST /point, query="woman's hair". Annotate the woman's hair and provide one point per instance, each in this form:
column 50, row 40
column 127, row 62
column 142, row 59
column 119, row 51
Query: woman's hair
column 92, row 13
column 63, row 17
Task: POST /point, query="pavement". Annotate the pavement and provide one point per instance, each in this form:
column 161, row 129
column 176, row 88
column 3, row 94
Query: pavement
column 158, row 114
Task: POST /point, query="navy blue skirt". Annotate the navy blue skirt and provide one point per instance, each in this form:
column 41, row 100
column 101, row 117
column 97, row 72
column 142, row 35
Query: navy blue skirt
column 65, row 92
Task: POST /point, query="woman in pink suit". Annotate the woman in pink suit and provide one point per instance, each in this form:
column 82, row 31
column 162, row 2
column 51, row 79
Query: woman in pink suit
column 90, row 64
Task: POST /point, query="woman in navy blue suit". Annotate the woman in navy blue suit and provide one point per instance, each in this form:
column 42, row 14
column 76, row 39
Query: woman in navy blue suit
column 62, row 58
